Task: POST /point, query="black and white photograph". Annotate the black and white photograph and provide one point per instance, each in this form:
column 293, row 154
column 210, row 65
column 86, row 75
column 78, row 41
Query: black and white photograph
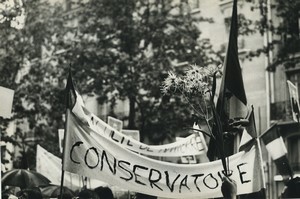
column 150, row 99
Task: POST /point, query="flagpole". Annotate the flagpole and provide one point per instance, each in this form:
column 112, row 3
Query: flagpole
column 62, row 160
column 219, row 136
column 61, row 183
column 69, row 88
column 63, row 155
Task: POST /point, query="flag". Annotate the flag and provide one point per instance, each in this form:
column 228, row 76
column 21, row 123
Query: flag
column 232, row 99
column 294, row 98
column 74, row 101
column 232, row 81
column 249, row 132
column 259, row 178
column 249, row 138
column 70, row 92
column 232, row 94
column 277, row 150
column 70, row 100
column 6, row 101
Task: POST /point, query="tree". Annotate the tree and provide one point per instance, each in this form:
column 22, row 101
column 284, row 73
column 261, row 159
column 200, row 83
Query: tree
column 284, row 28
column 124, row 50
column 24, row 68
column 287, row 31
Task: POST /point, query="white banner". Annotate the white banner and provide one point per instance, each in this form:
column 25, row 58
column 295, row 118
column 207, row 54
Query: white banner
column 6, row 102
column 50, row 166
column 134, row 134
column 189, row 159
column 190, row 145
column 91, row 154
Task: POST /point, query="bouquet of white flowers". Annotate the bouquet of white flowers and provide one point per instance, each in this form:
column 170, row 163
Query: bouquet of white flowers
column 199, row 83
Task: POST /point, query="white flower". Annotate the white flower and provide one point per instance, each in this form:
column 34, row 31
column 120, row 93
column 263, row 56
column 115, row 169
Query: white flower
column 195, row 81
column 170, row 82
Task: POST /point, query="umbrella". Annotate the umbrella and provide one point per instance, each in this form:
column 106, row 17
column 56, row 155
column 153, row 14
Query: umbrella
column 24, row 178
column 53, row 191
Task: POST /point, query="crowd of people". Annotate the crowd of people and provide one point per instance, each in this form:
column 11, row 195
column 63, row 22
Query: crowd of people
column 35, row 193
column 228, row 189
column 291, row 189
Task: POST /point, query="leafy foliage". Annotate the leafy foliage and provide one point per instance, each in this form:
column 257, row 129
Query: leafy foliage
column 119, row 50
column 37, row 100
column 128, row 48
column 285, row 39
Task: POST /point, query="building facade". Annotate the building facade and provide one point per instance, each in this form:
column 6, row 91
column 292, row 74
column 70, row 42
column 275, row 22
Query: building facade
column 264, row 77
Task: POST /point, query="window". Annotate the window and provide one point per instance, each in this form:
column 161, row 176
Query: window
column 3, row 150
column 291, row 30
column 292, row 25
column 194, row 4
column 73, row 4
column 294, row 151
column 294, row 77
column 189, row 6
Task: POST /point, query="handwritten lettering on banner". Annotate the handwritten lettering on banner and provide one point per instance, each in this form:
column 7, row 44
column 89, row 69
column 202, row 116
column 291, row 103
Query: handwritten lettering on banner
column 91, row 154
column 188, row 159
column 134, row 134
column 187, row 146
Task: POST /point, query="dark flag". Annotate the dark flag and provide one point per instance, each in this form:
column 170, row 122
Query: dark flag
column 277, row 150
column 232, row 82
column 70, row 99
column 70, row 92
column 232, row 99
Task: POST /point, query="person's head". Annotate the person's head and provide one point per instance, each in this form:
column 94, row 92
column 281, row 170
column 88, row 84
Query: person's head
column 88, row 194
column 33, row 193
column 104, row 192
column 292, row 189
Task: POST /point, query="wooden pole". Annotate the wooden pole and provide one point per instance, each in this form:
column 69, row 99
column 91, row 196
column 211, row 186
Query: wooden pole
column 62, row 162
